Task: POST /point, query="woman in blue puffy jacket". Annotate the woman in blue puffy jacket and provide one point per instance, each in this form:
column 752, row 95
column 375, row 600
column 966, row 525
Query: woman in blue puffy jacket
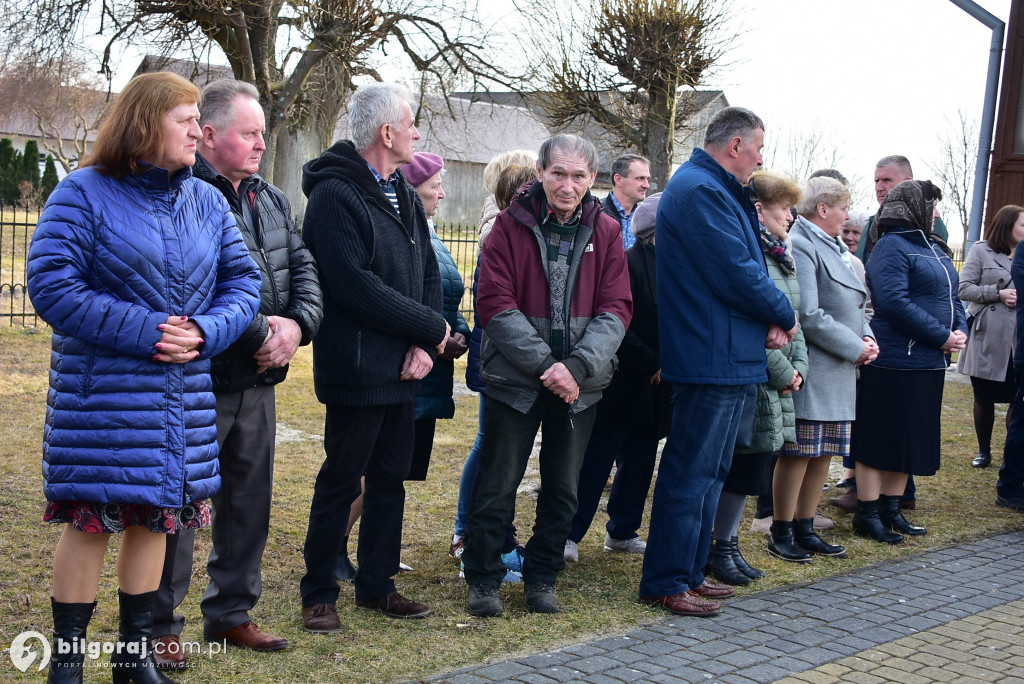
column 918, row 322
column 143, row 276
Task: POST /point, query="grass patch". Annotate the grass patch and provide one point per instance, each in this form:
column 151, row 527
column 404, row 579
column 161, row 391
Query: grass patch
column 598, row 593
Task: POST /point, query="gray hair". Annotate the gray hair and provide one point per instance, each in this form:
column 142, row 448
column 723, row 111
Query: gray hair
column 570, row 146
column 830, row 173
column 730, row 123
column 822, row 190
column 621, row 165
column 218, row 101
column 897, row 160
column 372, row 106
column 858, row 218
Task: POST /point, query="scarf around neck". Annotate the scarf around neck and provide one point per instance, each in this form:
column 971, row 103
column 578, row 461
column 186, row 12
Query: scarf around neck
column 778, row 250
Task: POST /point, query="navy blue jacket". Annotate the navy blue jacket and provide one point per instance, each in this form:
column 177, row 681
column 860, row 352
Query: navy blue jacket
column 110, row 261
column 914, row 291
column 715, row 297
column 434, row 398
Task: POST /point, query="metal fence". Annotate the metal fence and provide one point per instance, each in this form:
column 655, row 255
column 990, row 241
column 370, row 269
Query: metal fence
column 16, row 227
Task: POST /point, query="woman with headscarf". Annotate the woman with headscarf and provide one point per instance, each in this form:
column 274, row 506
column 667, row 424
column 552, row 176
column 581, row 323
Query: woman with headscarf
column 832, row 300
column 985, row 282
column 918, row 322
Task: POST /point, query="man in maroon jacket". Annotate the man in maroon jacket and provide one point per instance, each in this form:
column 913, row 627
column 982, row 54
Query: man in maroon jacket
column 554, row 300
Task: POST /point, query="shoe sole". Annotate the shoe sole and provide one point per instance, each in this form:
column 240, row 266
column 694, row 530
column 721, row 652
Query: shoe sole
column 775, row 554
column 397, row 616
column 609, row 549
column 487, row 613
column 684, row 613
column 323, row 631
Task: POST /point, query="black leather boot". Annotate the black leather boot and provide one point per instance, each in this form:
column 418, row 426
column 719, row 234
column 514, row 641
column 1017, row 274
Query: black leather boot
column 867, row 523
column 722, row 565
column 132, row 659
column 741, row 563
column 809, row 540
column 891, row 515
column 783, row 544
column 69, row 623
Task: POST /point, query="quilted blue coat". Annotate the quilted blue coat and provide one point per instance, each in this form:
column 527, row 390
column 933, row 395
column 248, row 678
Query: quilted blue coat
column 110, row 261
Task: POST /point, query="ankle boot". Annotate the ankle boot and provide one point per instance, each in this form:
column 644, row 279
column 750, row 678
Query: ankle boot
column 809, row 540
column 69, row 623
column 783, row 545
column 722, row 566
column 343, row 568
column 867, row 523
column 891, row 515
column 132, row 659
column 741, row 563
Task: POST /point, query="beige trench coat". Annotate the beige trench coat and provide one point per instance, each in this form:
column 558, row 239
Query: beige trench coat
column 993, row 331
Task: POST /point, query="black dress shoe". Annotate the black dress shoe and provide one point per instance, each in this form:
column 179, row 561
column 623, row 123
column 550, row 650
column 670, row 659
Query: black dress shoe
column 982, row 460
column 1014, row 502
column 845, row 482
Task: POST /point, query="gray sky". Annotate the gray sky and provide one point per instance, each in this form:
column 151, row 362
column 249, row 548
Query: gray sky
column 879, row 76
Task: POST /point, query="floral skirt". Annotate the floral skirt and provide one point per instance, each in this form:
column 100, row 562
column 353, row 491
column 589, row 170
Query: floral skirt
column 107, row 518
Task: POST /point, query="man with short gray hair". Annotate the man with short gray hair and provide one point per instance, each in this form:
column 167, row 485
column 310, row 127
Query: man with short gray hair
column 717, row 311
column 244, row 377
column 381, row 331
column 553, row 318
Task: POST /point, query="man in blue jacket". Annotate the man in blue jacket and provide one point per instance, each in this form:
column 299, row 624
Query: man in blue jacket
column 717, row 310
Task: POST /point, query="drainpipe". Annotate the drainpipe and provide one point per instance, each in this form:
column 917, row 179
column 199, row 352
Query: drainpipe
column 988, row 116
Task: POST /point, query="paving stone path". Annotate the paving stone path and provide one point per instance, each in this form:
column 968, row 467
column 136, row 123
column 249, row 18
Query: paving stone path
column 948, row 615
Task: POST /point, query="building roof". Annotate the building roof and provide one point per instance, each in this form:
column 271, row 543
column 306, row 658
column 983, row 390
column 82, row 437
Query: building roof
column 18, row 121
column 198, row 73
column 461, row 130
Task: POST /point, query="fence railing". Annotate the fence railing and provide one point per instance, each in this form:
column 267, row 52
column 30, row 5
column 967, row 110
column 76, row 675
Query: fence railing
column 16, row 227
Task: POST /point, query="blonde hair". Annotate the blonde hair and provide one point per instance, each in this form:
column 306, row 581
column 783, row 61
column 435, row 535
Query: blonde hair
column 134, row 129
column 505, row 160
column 772, row 189
column 822, row 190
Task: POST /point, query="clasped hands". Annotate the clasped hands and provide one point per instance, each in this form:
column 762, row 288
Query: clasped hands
column 179, row 342
column 561, row 382
column 778, row 338
column 417, row 361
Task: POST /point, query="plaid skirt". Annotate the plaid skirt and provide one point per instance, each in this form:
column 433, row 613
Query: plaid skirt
column 816, row 438
column 107, row 518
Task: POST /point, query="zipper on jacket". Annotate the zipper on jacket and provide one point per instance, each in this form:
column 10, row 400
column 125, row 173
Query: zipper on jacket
column 910, row 345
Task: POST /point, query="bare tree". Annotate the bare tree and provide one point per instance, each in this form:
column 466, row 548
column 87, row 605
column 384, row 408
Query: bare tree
column 303, row 56
column 798, row 151
column 62, row 98
column 629, row 66
column 954, row 168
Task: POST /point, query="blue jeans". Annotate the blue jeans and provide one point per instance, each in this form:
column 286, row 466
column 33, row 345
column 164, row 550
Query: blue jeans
column 636, row 451
column 469, row 474
column 694, row 464
column 508, row 441
column 1011, row 473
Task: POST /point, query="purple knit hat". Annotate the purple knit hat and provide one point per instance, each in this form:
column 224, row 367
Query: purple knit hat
column 422, row 169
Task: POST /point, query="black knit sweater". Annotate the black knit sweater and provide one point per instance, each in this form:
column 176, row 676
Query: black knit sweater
column 378, row 273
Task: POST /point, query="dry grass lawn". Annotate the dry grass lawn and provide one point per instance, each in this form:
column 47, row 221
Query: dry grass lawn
column 598, row 593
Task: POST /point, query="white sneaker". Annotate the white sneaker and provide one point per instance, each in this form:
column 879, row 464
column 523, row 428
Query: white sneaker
column 634, row 545
column 572, row 552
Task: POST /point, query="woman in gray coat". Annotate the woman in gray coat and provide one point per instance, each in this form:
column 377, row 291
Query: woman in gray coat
column 985, row 282
column 838, row 339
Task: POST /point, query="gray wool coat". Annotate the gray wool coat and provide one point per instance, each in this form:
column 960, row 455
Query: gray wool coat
column 993, row 331
column 832, row 306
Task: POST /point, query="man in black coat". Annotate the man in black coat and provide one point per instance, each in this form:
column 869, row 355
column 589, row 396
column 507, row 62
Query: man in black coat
column 382, row 329
column 244, row 377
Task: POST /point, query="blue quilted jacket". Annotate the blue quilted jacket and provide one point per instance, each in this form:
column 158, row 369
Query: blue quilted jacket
column 110, row 261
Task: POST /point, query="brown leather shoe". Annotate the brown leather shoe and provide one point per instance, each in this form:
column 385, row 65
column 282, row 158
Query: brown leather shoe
column 713, row 590
column 397, row 606
column 685, row 603
column 248, row 635
column 847, row 501
column 168, row 653
column 321, row 618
